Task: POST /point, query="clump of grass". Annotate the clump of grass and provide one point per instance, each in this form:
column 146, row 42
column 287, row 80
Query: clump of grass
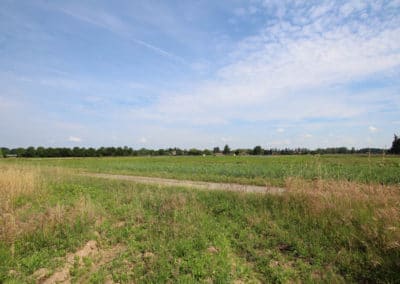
column 15, row 183
column 343, row 194
column 82, row 210
column 25, row 206
column 366, row 219
column 379, row 205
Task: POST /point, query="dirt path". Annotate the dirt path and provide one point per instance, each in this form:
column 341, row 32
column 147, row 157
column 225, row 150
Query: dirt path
column 190, row 183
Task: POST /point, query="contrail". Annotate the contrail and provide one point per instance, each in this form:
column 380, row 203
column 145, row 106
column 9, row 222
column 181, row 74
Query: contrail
column 116, row 29
column 159, row 50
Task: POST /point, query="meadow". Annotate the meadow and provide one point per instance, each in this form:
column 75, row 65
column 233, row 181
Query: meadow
column 338, row 221
column 258, row 170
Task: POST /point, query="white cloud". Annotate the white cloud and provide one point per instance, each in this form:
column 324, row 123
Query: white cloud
column 372, row 129
column 288, row 71
column 74, row 139
column 308, row 135
column 297, row 70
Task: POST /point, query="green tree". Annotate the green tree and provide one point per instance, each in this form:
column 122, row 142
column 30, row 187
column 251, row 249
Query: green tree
column 91, row 152
column 395, row 149
column 40, row 152
column 20, row 152
column 216, row 150
column 1, row 154
column 227, row 150
column 258, row 150
column 194, row 152
column 30, row 152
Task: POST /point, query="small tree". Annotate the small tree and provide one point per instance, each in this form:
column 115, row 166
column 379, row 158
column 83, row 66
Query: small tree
column 395, row 145
column 227, row 150
column 216, row 150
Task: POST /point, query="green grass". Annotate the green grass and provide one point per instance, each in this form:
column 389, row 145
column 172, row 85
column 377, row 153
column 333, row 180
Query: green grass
column 319, row 230
column 271, row 170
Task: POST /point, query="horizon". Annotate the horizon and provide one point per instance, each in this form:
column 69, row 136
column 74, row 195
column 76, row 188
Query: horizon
column 220, row 147
column 149, row 74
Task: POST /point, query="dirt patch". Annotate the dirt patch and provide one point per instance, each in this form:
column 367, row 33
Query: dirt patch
column 212, row 250
column 90, row 249
column 190, row 183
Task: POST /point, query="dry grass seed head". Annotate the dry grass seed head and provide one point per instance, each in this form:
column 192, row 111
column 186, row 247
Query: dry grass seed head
column 328, row 193
column 381, row 204
column 14, row 182
column 22, row 181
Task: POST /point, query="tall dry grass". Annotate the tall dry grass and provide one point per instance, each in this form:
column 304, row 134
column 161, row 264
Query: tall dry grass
column 15, row 182
column 31, row 184
column 378, row 205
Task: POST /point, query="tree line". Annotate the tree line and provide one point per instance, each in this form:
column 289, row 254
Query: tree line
column 43, row 152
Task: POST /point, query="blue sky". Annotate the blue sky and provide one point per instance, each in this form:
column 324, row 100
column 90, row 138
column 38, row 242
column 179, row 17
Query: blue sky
column 199, row 73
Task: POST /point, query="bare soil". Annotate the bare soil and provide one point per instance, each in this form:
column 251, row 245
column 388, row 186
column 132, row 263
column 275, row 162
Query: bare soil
column 90, row 249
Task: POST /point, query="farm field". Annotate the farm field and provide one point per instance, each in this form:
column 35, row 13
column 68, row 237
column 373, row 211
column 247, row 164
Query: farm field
column 271, row 170
column 338, row 221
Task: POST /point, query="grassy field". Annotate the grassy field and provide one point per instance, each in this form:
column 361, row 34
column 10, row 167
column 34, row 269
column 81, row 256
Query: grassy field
column 338, row 221
column 272, row 170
